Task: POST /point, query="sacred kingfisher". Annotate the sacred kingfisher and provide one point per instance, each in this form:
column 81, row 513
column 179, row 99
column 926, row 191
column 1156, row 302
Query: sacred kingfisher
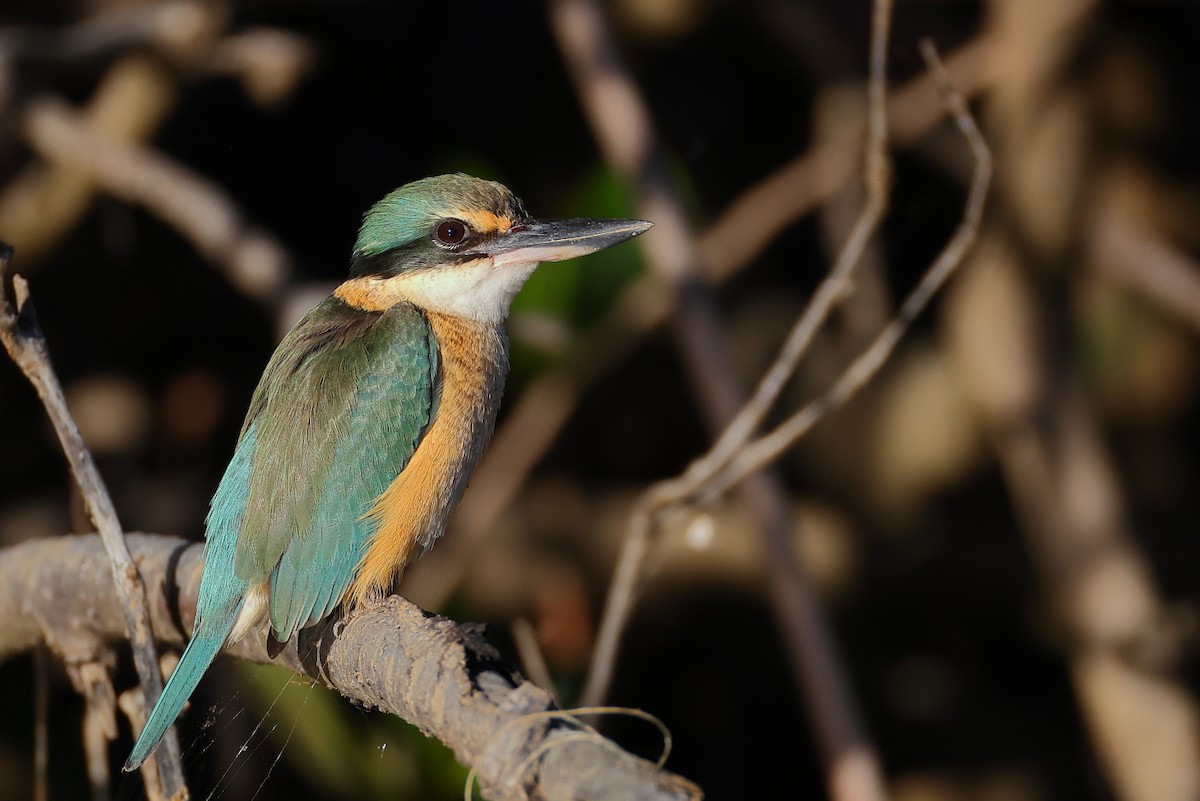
column 369, row 417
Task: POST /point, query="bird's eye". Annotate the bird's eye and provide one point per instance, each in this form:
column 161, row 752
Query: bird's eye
column 451, row 232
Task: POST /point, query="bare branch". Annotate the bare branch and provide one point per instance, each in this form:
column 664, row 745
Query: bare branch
column 770, row 447
column 525, row 639
column 99, row 147
column 725, row 247
column 91, row 680
column 429, row 670
column 622, row 126
column 175, row 27
column 194, row 206
column 41, row 202
column 1010, row 328
column 41, row 725
column 764, row 210
column 1147, row 264
column 731, row 460
column 836, row 286
column 27, row 348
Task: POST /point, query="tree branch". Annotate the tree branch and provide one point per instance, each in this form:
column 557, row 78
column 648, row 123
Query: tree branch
column 754, row 455
column 194, row 206
column 747, row 226
column 622, row 125
column 27, row 347
column 441, row 676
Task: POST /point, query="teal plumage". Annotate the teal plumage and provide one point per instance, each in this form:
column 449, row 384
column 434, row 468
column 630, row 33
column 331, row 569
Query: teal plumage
column 342, row 416
column 369, row 417
column 334, row 419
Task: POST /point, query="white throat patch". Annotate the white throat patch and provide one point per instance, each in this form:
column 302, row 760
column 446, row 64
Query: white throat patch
column 478, row 290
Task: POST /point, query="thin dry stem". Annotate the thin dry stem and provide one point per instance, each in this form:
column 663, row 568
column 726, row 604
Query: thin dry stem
column 91, row 680
column 833, row 289
column 767, row 208
column 725, row 247
column 621, row 123
column 41, row 725
column 837, row 285
column 711, row 476
column 27, row 348
column 767, row 449
column 625, row 586
column 199, row 209
column 530, row 653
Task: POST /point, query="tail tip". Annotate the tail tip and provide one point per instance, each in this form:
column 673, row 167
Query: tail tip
column 137, row 757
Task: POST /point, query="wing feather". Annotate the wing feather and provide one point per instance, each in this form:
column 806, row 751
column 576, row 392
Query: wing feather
column 337, row 416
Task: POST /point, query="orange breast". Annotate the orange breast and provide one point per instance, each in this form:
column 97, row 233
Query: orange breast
column 412, row 511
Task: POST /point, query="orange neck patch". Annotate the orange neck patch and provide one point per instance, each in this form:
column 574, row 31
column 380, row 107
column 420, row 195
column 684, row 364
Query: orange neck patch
column 365, row 294
column 413, row 510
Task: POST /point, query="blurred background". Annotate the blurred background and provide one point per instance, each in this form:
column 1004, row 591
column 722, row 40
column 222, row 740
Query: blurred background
column 1000, row 528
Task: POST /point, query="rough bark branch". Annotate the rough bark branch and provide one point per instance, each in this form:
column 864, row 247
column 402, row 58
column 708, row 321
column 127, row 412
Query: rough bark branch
column 429, row 670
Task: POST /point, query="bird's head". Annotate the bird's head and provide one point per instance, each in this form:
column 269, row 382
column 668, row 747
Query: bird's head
column 461, row 245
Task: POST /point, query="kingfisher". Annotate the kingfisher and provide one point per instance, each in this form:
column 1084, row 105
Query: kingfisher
column 369, row 418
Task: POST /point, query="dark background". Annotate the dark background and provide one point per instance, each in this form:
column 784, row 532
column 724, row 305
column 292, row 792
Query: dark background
column 930, row 585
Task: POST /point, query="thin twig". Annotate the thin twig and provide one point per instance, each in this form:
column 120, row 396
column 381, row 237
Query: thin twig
column 764, row 210
column 91, row 680
column 1146, row 263
column 836, row 286
column 716, row 472
column 708, row 477
column 525, row 638
column 41, row 725
column 765, row 450
column 748, row 224
column 621, row 123
column 196, row 207
column 27, row 347
column 833, row 289
column 623, row 589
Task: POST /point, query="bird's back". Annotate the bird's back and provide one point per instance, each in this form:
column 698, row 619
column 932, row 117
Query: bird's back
column 339, row 414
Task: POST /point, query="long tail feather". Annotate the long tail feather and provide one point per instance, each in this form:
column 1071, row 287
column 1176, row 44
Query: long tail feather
column 199, row 654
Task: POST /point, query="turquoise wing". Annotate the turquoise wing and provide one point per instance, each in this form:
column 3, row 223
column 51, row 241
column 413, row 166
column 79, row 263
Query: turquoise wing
column 339, row 412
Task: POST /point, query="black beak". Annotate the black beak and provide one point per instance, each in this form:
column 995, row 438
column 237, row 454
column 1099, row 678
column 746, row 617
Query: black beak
column 559, row 240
